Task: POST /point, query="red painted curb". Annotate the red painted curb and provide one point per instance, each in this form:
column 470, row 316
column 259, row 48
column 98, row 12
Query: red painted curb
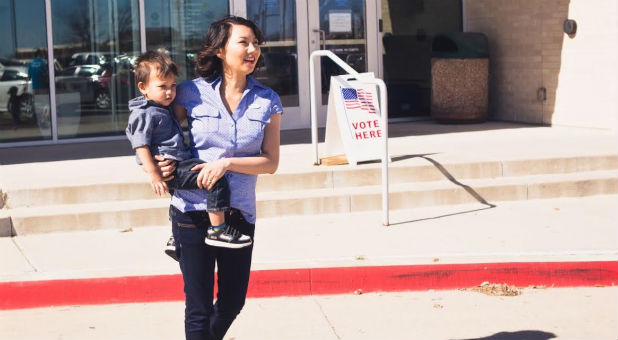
column 312, row 281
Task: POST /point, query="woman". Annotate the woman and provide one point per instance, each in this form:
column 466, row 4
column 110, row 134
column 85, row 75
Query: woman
column 234, row 122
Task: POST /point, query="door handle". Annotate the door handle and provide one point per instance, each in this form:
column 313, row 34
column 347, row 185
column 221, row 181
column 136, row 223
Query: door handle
column 322, row 37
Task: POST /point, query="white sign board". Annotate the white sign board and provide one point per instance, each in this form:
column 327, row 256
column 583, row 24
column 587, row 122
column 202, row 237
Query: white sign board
column 353, row 120
column 340, row 21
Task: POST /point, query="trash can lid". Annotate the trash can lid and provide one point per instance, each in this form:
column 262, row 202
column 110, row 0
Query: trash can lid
column 460, row 45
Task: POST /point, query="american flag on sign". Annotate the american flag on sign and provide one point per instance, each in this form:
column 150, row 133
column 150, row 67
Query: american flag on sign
column 355, row 99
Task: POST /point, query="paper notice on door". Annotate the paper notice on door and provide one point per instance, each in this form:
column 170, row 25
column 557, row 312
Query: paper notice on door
column 340, row 21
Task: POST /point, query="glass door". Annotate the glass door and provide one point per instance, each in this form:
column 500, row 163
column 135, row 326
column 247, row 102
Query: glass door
column 293, row 29
column 281, row 22
column 277, row 21
column 349, row 29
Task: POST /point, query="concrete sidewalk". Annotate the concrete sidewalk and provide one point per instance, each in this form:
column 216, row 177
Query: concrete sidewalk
column 553, row 243
column 566, row 229
column 560, row 230
column 536, row 314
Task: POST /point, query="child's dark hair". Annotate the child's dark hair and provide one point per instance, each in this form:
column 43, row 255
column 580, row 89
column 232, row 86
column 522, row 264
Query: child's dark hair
column 159, row 60
column 208, row 65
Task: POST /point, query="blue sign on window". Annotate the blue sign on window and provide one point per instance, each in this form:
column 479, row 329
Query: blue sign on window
column 342, row 3
column 270, row 3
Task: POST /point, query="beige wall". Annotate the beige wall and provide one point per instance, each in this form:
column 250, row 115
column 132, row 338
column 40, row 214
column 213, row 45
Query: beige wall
column 529, row 50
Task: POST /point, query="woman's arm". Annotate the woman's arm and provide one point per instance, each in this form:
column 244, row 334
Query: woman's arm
column 265, row 163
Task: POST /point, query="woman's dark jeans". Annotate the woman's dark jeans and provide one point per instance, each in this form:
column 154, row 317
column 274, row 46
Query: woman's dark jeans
column 217, row 198
column 203, row 320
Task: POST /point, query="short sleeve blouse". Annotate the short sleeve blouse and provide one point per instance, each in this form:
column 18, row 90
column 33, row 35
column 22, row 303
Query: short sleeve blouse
column 216, row 134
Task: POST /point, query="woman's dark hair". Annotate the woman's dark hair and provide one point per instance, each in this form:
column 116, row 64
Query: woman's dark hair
column 208, row 65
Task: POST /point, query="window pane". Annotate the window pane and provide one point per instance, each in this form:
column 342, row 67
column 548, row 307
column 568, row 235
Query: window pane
column 277, row 21
column 95, row 43
column 178, row 28
column 24, row 81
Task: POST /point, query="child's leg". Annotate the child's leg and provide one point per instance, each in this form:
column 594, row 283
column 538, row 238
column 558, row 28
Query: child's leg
column 218, row 199
column 217, row 218
column 220, row 234
column 184, row 178
column 218, row 202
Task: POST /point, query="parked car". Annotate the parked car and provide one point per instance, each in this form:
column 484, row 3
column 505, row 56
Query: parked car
column 14, row 81
column 85, row 79
column 13, row 64
column 90, row 58
column 120, row 79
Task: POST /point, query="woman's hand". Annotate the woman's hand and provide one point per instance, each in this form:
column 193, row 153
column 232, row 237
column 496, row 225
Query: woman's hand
column 210, row 173
column 166, row 167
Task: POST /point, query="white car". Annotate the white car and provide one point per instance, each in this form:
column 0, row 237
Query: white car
column 18, row 78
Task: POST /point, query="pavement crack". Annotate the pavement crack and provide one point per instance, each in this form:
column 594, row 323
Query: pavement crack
column 21, row 251
column 330, row 324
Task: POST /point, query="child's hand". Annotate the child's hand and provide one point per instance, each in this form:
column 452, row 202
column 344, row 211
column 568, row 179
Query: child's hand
column 158, row 185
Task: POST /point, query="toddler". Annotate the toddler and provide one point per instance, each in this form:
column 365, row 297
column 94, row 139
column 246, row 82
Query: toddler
column 154, row 130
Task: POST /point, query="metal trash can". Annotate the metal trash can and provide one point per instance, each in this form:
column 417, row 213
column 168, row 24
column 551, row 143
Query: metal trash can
column 459, row 77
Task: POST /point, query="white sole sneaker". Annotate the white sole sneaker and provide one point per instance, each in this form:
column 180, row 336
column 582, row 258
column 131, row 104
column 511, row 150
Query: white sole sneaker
column 224, row 244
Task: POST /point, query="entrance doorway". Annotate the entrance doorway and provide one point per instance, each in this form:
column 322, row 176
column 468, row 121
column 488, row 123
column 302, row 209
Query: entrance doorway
column 293, row 29
column 349, row 29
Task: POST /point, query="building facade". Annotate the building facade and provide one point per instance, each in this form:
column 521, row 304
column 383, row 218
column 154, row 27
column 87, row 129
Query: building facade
column 66, row 65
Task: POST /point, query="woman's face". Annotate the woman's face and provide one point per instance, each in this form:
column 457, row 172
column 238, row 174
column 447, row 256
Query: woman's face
column 241, row 52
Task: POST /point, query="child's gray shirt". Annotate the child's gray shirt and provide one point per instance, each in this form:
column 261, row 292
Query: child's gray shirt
column 155, row 126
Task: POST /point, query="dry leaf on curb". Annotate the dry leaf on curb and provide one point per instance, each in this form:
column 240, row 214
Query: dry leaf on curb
column 127, row 230
column 493, row 289
column 438, row 306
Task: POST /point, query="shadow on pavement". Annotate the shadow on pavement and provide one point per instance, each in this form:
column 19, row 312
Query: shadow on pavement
column 451, row 178
column 442, row 216
column 519, row 335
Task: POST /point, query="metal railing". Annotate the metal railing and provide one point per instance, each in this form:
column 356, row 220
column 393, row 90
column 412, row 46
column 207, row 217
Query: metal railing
column 363, row 78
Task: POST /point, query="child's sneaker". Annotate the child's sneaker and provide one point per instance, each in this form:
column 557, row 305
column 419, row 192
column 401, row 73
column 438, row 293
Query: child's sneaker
column 227, row 237
column 170, row 248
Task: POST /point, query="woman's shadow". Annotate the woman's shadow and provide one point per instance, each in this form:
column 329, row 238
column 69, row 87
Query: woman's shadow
column 519, row 335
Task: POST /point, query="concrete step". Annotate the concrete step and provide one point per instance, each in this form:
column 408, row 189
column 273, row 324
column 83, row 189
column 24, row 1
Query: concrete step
column 424, row 194
column 419, row 169
column 135, row 213
column 88, row 216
